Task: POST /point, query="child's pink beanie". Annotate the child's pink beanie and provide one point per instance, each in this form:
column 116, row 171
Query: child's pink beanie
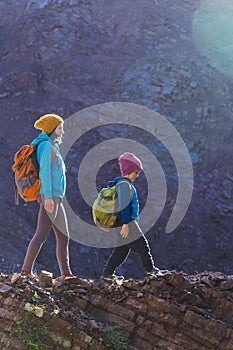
column 129, row 163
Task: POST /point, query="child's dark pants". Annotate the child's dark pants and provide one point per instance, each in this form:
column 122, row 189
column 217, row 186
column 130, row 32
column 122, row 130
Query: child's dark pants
column 135, row 241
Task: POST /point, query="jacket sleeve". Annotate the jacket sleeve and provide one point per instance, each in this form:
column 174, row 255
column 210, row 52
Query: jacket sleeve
column 44, row 157
column 124, row 192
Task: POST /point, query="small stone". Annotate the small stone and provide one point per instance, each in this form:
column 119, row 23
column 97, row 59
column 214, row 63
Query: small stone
column 131, row 285
column 94, row 324
column 207, row 281
column 15, row 277
column 5, row 289
column 57, row 283
column 46, row 279
column 28, row 307
column 59, row 280
column 140, row 295
column 87, row 339
column 38, row 311
column 176, row 279
column 2, row 312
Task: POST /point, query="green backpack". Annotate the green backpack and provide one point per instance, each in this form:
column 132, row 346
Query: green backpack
column 105, row 207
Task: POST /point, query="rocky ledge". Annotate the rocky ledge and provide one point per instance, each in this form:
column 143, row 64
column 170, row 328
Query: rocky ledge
column 173, row 312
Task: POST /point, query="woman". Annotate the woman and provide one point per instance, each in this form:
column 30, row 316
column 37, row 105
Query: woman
column 52, row 190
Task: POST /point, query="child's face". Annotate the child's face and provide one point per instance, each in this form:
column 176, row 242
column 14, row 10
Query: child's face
column 133, row 176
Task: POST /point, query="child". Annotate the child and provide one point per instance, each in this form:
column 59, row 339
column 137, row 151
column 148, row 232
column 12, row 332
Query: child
column 129, row 232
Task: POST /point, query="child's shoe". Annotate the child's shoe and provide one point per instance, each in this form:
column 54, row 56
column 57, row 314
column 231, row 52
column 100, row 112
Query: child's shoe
column 112, row 277
column 157, row 272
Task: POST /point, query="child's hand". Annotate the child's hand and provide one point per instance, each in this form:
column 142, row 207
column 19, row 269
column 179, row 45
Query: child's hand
column 124, row 231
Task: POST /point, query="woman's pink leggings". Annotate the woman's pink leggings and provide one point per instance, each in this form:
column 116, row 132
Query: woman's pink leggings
column 58, row 221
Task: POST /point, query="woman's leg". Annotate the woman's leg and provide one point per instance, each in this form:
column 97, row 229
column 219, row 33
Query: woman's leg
column 40, row 236
column 61, row 232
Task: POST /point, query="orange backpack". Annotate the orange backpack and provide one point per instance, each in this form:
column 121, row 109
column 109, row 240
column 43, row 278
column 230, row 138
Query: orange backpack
column 26, row 173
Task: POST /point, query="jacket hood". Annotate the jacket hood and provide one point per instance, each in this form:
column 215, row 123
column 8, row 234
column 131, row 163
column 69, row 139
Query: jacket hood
column 116, row 180
column 40, row 137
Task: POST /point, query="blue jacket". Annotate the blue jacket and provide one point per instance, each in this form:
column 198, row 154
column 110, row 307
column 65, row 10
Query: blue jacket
column 52, row 173
column 127, row 200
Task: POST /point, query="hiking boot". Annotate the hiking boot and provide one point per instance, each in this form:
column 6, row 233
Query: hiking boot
column 24, row 274
column 157, row 272
column 69, row 276
column 27, row 276
column 112, row 277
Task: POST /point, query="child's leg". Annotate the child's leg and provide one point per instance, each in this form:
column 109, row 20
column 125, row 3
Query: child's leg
column 40, row 236
column 118, row 256
column 141, row 247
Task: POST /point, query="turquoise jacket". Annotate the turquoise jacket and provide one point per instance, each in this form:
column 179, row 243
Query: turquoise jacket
column 52, row 173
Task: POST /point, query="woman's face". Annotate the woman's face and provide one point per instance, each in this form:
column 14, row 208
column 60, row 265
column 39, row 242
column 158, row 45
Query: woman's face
column 59, row 131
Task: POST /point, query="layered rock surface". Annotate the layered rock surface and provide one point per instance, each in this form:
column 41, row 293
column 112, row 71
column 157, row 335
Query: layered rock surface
column 176, row 312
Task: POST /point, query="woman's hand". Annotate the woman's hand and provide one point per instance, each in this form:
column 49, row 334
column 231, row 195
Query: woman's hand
column 124, row 230
column 49, row 205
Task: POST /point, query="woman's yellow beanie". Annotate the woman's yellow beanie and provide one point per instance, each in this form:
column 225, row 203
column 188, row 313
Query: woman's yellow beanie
column 48, row 123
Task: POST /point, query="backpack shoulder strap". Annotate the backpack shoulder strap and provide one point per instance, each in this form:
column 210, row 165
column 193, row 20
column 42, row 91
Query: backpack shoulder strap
column 38, row 143
column 124, row 181
column 53, row 149
column 128, row 183
column 53, row 154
